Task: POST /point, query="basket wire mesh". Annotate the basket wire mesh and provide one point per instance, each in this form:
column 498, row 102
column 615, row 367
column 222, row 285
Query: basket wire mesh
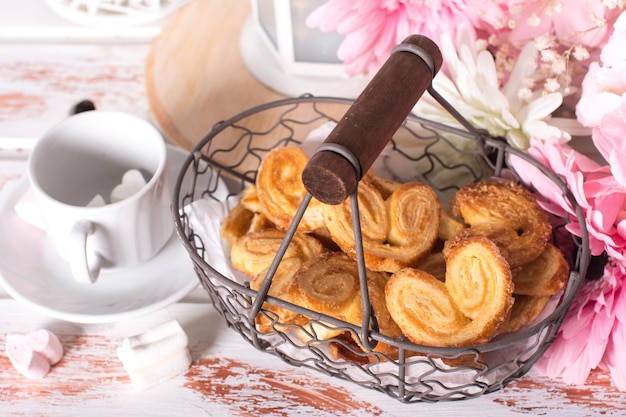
column 441, row 156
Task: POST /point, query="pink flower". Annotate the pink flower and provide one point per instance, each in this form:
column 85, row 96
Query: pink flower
column 592, row 333
column 604, row 84
column 608, row 137
column 602, row 89
column 572, row 22
column 613, row 360
column 601, row 198
column 595, row 326
column 374, row 27
column 614, row 52
column 603, row 101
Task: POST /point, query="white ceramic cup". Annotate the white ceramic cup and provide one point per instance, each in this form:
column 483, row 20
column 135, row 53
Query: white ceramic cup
column 86, row 155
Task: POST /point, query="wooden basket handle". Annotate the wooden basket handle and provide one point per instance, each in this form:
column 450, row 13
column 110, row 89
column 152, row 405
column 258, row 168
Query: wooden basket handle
column 368, row 125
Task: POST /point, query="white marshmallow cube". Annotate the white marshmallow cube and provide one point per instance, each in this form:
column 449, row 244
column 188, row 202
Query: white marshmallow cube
column 132, row 182
column 156, row 355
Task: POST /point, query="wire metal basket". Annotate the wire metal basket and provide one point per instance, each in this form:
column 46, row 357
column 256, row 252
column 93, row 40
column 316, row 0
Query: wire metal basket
column 444, row 158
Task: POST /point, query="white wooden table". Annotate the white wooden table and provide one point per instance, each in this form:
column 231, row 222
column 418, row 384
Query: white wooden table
column 40, row 81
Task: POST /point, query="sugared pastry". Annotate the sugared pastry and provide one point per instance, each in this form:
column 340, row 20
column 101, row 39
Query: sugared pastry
column 376, row 283
column 373, row 217
column 250, row 199
column 546, row 275
column 422, row 307
column 479, row 281
column 469, row 308
column 241, row 221
column 236, row 223
column 280, row 287
column 503, row 237
column 459, row 276
column 397, row 232
column 280, row 189
column 435, row 264
column 489, row 206
column 384, row 186
column 330, row 284
column 255, row 251
column 343, row 347
column 449, row 225
column 525, row 309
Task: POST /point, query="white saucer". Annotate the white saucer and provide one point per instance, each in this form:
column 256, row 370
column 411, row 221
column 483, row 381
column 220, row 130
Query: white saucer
column 33, row 274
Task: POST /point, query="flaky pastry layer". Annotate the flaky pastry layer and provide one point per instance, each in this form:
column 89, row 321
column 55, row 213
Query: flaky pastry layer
column 280, row 189
column 255, row 251
column 469, row 308
column 397, row 232
column 493, row 207
column 547, row 275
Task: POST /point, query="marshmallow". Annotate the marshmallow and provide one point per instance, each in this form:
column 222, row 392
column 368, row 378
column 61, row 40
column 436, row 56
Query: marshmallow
column 132, row 182
column 155, row 334
column 169, row 366
column 96, row 201
column 26, row 208
column 156, row 355
column 33, row 353
column 141, row 355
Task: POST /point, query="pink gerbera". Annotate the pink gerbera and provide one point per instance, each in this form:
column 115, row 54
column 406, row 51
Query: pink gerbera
column 374, row 27
column 593, row 332
column 595, row 326
column 601, row 197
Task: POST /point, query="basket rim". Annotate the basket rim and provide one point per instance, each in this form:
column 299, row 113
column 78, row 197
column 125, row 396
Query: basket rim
column 575, row 278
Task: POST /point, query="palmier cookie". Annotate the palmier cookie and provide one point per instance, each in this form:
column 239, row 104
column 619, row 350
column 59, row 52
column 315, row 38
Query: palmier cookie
column 329, row 284
column 280, row 189
column 241, row 221
column 489, row 206
column 255, row 251
column 250, row 199
column 376, row 283
column 396, row 232
column 236, row 223
column 525, row 309
column 547, row 275
column 280, row 287
column 448, row 224
column 469, row 308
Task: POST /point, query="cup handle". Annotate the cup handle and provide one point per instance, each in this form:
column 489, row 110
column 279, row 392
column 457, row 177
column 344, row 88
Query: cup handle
column 85, row 264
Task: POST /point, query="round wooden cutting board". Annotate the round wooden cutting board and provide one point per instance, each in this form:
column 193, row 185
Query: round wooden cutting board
column 195, row 76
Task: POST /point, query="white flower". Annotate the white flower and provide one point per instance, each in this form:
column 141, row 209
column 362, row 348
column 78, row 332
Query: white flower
column 580, row 53
column 552, row 84
column 533, row 21
column 472, row 87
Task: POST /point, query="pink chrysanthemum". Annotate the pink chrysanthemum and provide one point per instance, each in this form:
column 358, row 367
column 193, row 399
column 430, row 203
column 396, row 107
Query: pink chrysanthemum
column 596, row 321
column 603, row 102
column 604, row 84
column 601, row 197
column 608, row 138
column 374, row 27
column 593, row 332
column 570, row 22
